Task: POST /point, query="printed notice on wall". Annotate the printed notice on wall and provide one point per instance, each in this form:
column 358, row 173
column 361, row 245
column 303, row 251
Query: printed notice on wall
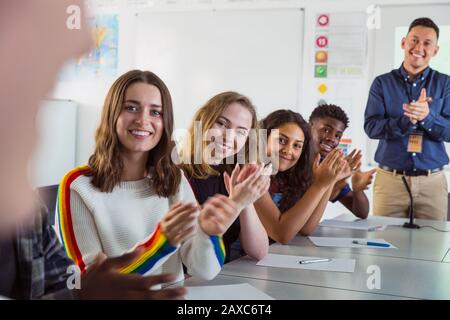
column 99, row 5
column 137, row 4
column 340, row 45
column 102, row 61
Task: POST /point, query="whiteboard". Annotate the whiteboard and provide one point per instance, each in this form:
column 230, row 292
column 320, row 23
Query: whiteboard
column 54, row 154
column 385, row 44
column 200, row 54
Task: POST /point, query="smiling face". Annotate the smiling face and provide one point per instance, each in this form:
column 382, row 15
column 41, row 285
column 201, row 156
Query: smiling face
column 419, row 46
column 140, row 123
column 326, row 132
column 287, row 144
column 229, row 133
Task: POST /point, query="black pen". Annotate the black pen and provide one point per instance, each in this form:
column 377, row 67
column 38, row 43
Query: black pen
column 314, row 261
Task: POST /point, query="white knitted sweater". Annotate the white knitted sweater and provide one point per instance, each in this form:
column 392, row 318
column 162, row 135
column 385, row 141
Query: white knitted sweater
column 116, row 222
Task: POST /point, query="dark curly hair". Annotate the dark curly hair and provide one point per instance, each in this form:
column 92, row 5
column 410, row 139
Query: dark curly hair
column 295, row 181
column 329, row 111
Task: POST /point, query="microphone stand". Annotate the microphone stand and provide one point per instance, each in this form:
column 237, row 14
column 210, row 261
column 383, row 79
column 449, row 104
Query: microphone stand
column 410, row 224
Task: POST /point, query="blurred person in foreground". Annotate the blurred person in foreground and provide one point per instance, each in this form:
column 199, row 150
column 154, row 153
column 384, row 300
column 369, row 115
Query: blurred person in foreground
column 36, row 36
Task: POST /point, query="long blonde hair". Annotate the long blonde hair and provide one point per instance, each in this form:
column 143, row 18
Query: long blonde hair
column 106, row 164
column 207, row 115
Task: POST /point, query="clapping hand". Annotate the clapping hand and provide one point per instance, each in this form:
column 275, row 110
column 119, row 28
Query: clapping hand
column 248, row 184
column 419, row 110
column 179, row 222
column 362, row 180
column 218, row 214
column 354, row 160
column 332, row 169
column 103, row 280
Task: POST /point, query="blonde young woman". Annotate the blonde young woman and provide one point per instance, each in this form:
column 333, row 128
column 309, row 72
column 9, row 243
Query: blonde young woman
column 222, row 128
column 132, row 196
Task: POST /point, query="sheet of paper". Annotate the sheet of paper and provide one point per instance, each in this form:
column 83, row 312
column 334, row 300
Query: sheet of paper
column 287, row 261
column 372, row 220
column 347, row 242
column 358, row 224
column 242, row 291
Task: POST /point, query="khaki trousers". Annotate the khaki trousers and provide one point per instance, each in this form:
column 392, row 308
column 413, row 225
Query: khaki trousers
column 430, row 195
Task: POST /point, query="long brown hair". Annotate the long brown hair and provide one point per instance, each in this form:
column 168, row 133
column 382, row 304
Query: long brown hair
column 207, row 115
column 106, row 163
column 295, row 181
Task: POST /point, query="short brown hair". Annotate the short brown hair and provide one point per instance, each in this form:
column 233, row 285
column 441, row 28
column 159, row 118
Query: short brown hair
column 106, row 163
column 424, row 22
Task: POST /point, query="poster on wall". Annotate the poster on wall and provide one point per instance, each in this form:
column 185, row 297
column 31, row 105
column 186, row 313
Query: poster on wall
column 340, row 45
column 345, row 145
column 321, row 45
column 348, row 43
column 102, row 60
column 96, row 5
column 140, row 3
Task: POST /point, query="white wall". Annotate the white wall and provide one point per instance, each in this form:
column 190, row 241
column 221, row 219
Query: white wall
column 90, row 95
column 54, row 152
column 199, row 54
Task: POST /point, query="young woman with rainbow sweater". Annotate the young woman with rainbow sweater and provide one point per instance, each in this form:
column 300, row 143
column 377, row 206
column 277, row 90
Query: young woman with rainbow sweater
column 132, row 195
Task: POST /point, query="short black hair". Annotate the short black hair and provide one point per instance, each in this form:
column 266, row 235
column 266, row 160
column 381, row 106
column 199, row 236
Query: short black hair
column 424, row 22
column 329, row 111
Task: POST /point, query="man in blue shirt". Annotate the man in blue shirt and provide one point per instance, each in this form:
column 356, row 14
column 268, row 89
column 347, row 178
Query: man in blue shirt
column 328, row 123
column 408, row 110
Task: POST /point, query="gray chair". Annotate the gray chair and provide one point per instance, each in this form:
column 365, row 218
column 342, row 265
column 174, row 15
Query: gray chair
column 49, row 194
column 448, row 208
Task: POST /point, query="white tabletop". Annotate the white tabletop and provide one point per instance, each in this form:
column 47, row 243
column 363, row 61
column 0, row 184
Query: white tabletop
column 422, row 244
column 290, row 291
column 400, row 277
column 418, row 269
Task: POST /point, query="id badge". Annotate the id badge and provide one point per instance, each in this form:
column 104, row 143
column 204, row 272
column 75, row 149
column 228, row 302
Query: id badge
column 415, row 142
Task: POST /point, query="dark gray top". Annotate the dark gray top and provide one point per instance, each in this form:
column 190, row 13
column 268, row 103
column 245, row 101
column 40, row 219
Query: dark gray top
column 7, row 267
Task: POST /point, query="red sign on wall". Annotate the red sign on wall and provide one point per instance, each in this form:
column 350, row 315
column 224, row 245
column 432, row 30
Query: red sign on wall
column 323, row 20
column 322, row 41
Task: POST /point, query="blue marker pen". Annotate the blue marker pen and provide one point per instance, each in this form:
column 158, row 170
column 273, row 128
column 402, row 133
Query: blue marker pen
column 370, row 243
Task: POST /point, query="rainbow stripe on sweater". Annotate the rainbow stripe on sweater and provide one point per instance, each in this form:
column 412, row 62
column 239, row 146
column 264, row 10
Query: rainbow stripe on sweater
column 65, row 216
column 219, row 248
column 155, row 248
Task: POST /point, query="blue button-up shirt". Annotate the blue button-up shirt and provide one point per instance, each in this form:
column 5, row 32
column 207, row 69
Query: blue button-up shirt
column 384, row 119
